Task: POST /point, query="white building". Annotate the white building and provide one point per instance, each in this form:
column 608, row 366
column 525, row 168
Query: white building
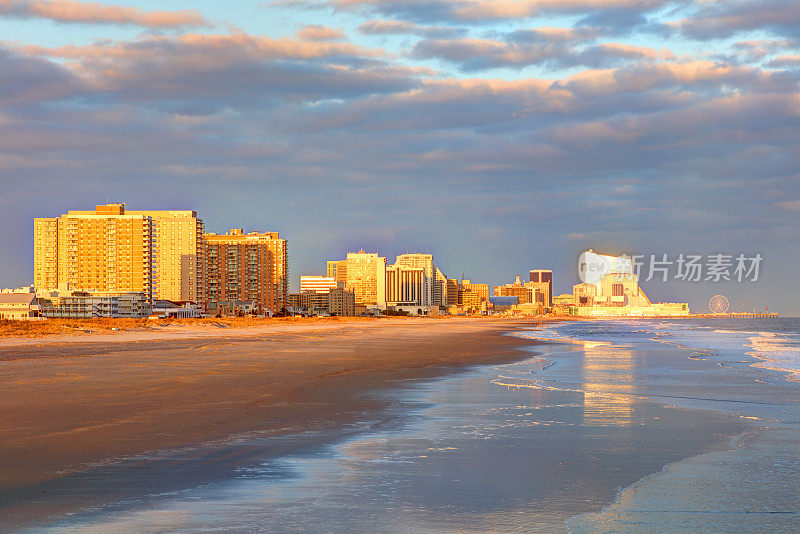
column 317, row 284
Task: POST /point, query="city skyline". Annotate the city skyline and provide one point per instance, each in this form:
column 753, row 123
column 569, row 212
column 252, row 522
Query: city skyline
column 498, row 135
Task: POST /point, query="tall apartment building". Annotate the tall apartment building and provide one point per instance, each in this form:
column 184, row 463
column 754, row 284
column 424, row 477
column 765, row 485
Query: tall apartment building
column 366, row 278
column 108, row 250
column 113, row 249
column 179, row 253
column 247, row 267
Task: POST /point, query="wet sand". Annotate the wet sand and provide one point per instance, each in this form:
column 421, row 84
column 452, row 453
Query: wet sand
column 74, row 409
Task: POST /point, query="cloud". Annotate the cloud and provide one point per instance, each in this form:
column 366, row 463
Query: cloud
column 758, row 49
column 790, row 205
column 549, row 48
column 76, row 12
column 785, row 61
column 717, row 20
column 476, row 11
column 397, row 27
column 200, row 73
column 316, row 32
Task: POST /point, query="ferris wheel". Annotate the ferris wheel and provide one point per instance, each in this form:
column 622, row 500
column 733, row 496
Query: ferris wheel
column 718, row 304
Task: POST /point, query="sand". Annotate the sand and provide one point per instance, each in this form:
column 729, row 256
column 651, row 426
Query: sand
column 73, row 405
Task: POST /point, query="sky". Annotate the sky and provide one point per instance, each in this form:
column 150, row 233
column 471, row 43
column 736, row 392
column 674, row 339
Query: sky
column 498, row 135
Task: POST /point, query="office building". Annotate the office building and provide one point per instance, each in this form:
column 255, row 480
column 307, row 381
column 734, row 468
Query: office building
column 337, row 270
column 247, row 267
column 542, row 280
column 482, row 290
column 366, row 278
column 451, row 291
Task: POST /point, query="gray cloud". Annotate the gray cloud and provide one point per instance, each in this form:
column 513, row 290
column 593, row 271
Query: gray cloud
column 716, row 20
column 397, row 27
column 553, row 50
column 198, row 74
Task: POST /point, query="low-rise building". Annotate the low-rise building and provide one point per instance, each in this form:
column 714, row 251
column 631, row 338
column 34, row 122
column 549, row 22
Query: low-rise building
column 19, row 304
column 167, row 309
column 67, row 304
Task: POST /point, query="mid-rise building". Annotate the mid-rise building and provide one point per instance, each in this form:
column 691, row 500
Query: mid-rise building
column 482, row 290
column 317, row 284
column 341, row 303
column 247, row 267
column 517, row 289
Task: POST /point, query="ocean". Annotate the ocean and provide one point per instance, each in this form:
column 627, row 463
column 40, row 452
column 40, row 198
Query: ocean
column 681, row 425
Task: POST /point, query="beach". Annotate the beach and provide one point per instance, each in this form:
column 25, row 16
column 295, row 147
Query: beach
column 77, row 404
column 468, row 425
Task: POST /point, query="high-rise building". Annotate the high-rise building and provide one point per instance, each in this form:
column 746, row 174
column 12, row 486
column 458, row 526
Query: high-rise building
column 247, row 267
column 433, row 282
column 451, row 291
column 108, row 250
column 406, row 286
column 179, row 252
column 317, row 284
column 114, row 249
column 366, row 278
column 337, row 270
column 542, row 279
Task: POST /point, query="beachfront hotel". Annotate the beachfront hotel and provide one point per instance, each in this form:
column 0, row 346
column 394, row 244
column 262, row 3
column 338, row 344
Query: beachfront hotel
column 366, row 278
column 115, row 250
column 246, row 268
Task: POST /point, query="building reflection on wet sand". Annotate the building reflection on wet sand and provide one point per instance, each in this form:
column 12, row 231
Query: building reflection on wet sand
column 608, row 384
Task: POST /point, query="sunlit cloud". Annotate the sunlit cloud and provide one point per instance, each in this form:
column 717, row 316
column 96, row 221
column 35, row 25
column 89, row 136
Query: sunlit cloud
column 76, row 12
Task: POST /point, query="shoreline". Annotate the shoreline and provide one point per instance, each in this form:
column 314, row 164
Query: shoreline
column 79, row 408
